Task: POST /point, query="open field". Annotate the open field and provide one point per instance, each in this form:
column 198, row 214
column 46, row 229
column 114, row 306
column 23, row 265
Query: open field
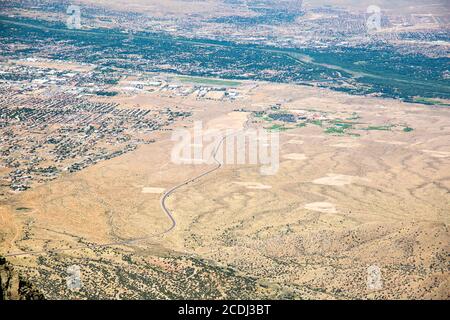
column 339, row 204
column 209, row 81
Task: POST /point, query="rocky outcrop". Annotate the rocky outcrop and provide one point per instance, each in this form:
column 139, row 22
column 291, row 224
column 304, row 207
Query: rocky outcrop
column 13, row 286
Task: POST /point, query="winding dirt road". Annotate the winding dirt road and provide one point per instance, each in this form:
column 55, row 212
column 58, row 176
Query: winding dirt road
column 163, row 200
column 191, row 180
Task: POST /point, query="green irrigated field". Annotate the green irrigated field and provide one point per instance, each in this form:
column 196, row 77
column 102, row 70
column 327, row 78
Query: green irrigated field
column 210, row 81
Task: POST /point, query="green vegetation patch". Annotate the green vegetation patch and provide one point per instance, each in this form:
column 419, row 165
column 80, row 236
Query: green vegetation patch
column 379, row 128
column 209, row 81
column 335, row 130
column 430, row 102
column 316, row 122
column 277, row 128
column 407, row 129
column 337, row 126
column 107, row 93
column 343, row 124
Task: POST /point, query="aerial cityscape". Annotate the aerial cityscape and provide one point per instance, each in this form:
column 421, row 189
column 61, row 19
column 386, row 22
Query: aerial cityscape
column 224, row 149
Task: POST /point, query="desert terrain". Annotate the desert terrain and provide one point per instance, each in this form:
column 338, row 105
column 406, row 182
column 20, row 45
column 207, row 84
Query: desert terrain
column 340, row 203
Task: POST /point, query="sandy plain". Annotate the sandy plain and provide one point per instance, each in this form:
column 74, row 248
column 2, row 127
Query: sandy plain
column 312, row 230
